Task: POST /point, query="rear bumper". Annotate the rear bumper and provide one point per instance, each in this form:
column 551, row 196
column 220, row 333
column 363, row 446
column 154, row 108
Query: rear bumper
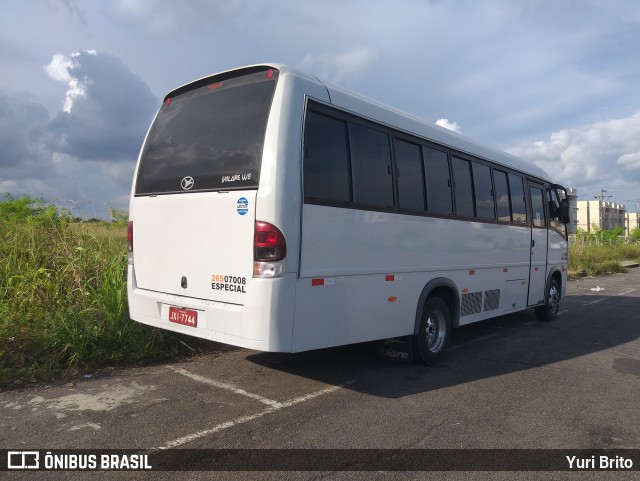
column 264, row 322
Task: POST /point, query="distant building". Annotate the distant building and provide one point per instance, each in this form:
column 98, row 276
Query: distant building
column 633, row 221
column 603, row 215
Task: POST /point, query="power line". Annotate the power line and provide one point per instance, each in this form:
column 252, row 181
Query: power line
column 636, row 202
column 601, row 197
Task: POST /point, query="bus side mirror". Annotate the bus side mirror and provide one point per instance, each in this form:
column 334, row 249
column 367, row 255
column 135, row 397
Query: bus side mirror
column 564, row 211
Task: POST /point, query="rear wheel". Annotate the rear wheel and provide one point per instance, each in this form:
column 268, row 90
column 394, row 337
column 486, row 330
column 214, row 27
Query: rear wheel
column 432, row 339
column 549, row 310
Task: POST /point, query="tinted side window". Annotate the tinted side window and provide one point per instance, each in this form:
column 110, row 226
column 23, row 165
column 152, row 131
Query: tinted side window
column 371, row 166
column 436, row 171
column 483, row 191
column 516, row 187
column 409, row 173
column 462, row 188
column 537, row 207
column 502, row 196
column 326, row 165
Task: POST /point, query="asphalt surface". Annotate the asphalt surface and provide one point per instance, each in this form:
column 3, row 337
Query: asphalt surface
column 511, row 382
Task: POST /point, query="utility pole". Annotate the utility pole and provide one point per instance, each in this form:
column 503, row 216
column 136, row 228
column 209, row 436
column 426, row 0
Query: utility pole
column 601, row 198
column 637, row 221
column 636, row 202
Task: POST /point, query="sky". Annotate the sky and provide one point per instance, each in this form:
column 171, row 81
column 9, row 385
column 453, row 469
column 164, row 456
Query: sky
column 555, row 82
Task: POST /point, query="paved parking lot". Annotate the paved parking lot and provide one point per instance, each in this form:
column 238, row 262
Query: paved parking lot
column 511, row 382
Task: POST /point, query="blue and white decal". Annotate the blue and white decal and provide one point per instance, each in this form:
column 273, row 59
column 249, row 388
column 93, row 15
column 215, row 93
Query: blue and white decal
column 242, row 206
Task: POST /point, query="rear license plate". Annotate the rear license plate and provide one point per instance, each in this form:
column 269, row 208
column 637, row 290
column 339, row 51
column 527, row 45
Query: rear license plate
column 182, row 315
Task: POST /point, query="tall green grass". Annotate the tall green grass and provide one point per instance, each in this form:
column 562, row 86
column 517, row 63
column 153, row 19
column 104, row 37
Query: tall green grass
column 595, row 260
column 63, row 304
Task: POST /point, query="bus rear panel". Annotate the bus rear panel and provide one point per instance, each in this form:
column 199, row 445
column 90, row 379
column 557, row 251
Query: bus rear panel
column 201, row 263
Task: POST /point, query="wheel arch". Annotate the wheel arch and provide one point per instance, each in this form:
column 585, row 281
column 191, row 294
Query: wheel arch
column 557, row 275
column 544, row 311
column 447, row 290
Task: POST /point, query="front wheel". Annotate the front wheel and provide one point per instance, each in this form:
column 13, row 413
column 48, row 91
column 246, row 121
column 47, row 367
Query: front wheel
column 432, row 339
column 549, row 310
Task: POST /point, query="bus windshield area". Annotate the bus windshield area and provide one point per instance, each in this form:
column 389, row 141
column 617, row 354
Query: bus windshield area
column 208, row 137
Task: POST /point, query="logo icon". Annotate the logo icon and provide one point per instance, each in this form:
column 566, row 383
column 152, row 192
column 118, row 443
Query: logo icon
column 242, row 206
column 187, row 183
column 23, row 460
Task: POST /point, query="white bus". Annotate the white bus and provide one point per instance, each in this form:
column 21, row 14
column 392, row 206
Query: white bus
column 273, row 211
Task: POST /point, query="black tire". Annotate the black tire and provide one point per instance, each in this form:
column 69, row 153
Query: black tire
column 549, row 310
column 434, row 332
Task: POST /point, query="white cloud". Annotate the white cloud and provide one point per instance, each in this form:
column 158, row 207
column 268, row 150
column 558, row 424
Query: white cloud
column 85, row 154
column 164, row 16
column 340, row 66
column 60, row 69
column 109, row 116
column 599, row 155
column 629, row 160
column 449, row 125
column 353, row 61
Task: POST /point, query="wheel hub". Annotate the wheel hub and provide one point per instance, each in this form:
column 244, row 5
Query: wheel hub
column 434, row 333
column 554, row 300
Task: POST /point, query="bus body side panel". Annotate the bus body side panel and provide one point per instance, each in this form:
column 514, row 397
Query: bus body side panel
column 558, row 258
column 357, row 308
column 362, row 272
column 279, row 199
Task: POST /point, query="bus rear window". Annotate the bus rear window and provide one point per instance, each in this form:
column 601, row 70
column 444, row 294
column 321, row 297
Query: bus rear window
column 208, row 136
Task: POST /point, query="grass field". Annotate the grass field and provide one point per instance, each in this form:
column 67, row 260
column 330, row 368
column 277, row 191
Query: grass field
column 597, row 260
column 63, row 304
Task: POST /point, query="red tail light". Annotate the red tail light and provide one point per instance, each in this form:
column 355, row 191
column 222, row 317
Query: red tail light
column 130, row 235
column 130, row 240
column 268, row 243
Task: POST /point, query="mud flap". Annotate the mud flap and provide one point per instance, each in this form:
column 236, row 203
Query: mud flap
column 399, row 349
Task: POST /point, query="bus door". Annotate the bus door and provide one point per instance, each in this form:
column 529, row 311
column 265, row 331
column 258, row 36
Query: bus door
column 538, row 266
